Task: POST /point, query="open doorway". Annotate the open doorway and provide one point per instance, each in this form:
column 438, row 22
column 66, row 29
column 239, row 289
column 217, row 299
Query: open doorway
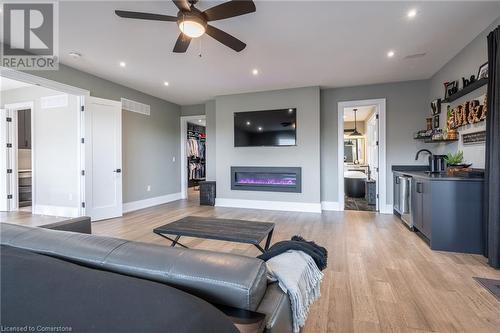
column 193, row 155
column 360, row 158
column 40, row 133
column 362, row 155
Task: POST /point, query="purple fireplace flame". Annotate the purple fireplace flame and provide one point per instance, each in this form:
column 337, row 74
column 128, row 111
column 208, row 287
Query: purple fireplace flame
column 266, row 179
column 270, row 179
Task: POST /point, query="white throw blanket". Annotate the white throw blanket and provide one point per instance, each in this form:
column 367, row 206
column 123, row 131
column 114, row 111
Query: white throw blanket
column 299, row 277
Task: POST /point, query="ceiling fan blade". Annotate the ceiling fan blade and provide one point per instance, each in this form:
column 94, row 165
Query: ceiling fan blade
column 183, row 5
column 182, row 43
column 145, row 16
column 225, row 38
column 229, row 9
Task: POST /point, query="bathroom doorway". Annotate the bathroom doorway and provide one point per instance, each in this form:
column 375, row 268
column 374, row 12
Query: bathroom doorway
column 362, row 155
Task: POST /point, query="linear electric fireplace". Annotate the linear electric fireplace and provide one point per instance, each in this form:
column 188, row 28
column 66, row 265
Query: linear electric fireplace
column 274, row 179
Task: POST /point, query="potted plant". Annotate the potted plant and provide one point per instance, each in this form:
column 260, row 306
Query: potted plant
column 455, row 162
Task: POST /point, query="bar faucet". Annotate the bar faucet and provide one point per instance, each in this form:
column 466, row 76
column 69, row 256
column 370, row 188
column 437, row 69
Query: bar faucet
column 422, row 150
column 431, row 168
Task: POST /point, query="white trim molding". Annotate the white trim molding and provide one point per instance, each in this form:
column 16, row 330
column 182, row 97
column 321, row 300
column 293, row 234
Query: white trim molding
column 330, row 205
column 150, row 202
column 40, row 81
column 309, row 207
column 386, row 209
column 56, row 211
column 184, row 180
column 380, row 105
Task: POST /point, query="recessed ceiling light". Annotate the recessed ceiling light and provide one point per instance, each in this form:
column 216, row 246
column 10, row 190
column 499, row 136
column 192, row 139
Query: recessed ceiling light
column 166, row 83
column 390, row 54
column 259, row 128
column 199, row 120
column 412, row 13
column 75, row 55
column 255, row 71
column 122, row 64
column 249, row 123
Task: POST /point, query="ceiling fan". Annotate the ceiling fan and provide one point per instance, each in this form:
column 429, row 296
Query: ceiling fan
column 193, row 23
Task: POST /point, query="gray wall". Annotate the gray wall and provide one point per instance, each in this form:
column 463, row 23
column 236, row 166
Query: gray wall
column 149, row 142
column 464, row 64
column 193, row 110
column 406, row 108
column 306, row 154
column 210, row 142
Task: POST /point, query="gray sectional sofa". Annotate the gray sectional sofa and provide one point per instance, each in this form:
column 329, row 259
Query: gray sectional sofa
column 218, row 278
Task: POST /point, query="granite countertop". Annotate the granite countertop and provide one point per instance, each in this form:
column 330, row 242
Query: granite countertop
column 420, row 172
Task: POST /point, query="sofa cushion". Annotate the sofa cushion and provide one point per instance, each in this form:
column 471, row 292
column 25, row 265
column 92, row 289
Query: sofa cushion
column 42, row 291
column 222, row 278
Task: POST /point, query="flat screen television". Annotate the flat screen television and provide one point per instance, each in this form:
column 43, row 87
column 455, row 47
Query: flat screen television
column 265, row 128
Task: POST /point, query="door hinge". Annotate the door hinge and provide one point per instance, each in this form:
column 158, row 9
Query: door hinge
column 377, row 195
column 83, row 140
column 376, row 169
column 82, row 108
column 83, row 172
column 377, row 143
column 376, row 116
column 9, row 170
column 9, row 119
column 83, row 204
column 9, row 196
column 9, row 145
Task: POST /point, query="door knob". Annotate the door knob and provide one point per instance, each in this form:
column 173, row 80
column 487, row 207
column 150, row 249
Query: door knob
column 118, row 170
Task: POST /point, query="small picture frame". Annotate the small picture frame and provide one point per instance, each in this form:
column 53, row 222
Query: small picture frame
column 483, row 71
column 435, row 121
column 436, row 106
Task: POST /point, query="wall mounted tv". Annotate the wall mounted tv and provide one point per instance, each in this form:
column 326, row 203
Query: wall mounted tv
column 265, row 128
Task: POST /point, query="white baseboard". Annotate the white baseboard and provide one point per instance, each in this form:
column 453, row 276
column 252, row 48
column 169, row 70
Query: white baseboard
column 269, row 205
column 56, row 211
column 150, row 202
column 330, row 205
column 386, row 209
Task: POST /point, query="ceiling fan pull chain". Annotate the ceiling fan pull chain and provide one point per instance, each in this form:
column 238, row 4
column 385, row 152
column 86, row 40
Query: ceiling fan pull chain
column 200, row 48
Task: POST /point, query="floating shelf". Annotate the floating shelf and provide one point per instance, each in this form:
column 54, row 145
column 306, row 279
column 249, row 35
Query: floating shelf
column 470, row 88
column 440, row 140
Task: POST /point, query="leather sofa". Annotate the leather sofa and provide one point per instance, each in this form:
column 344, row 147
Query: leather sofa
column 219, row 278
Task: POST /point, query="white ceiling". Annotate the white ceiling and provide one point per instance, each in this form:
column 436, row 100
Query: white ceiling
column 292, row 43
column 361, row 115
column 8, row 84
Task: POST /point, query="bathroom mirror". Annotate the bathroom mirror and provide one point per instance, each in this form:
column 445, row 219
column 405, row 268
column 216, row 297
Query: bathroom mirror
column 354, row 150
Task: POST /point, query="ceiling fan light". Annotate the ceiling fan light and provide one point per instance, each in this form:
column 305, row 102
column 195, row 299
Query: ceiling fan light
column 192, row 28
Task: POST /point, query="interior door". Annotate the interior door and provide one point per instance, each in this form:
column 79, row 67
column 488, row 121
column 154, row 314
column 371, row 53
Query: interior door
column 372, row 148
column 4, row 164
column 103, row 158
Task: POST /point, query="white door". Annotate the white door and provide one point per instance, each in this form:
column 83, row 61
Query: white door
column 372, row 149
column 5, row 187
column 103, row 158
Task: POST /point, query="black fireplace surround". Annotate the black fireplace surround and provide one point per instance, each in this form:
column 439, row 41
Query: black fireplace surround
column 272, row 179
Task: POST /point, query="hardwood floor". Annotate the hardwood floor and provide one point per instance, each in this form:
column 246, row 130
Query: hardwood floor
column 380, row 277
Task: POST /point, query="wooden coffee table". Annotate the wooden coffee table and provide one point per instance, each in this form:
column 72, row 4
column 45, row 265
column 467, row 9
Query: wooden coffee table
column 239, row 231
